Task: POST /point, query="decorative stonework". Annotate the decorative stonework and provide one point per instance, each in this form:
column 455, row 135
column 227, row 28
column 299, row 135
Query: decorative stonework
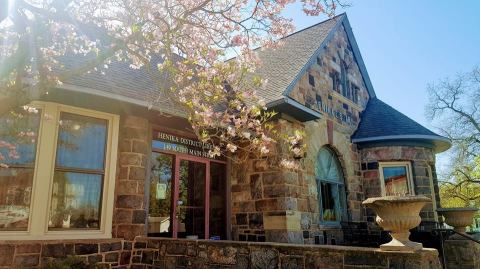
column 336, row 102
column 130, row 200
column 168, row 253
column 398, row 215
column 107, row 253
column 458, row 217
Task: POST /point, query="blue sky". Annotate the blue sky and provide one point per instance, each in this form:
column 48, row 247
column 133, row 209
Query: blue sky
column 408, row 44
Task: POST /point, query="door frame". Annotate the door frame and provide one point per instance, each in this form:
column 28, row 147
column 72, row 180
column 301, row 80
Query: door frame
column 176, row 193
column 176, row 187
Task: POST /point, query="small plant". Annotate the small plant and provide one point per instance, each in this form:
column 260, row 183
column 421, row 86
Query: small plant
column 71, row 262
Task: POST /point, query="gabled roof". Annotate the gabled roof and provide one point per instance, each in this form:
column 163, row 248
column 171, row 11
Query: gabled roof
column 381, row 123
column 122, row 83
column 284, row 66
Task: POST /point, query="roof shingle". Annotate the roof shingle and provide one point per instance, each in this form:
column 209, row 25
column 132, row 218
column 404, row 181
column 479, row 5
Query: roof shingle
column 380, row 122
column 281, row 65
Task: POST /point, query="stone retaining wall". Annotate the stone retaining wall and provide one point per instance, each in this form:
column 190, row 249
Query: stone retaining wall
column 111, row 253
column 170, row 253
column 173, row 253
column 462, row 254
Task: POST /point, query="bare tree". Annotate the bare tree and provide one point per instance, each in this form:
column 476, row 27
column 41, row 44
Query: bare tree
column 454, row 108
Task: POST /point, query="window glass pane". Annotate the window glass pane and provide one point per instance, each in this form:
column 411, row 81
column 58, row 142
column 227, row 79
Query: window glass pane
column 218, row 211
column 192, row 197
column 76, row 201
column 327, row 167
column 18, row 137
column 81, row 142
column 159, row 219
column 18, row 144
column 15, row 193
column 329, row 194
column 395, row 178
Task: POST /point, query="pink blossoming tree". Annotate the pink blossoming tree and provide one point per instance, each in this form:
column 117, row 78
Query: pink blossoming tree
column 193, row 38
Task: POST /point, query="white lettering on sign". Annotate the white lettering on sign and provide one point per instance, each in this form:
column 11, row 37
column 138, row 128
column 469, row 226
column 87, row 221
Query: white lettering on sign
column 182, row 145
column 184, row 141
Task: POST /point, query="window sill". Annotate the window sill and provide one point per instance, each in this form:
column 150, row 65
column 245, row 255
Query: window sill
column 55, row 235
column 330, row 225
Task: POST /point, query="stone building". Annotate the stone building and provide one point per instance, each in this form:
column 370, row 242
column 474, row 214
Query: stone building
column 103, row 168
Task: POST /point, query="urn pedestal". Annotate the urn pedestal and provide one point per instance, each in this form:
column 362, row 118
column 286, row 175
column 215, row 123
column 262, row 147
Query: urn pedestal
column 398, row 214
column 458, row 217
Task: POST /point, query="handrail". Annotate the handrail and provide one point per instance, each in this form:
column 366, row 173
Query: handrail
column 461, row 234
column 442, row 239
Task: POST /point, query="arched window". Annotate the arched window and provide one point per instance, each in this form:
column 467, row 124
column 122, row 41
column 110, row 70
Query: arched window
column 331, row 187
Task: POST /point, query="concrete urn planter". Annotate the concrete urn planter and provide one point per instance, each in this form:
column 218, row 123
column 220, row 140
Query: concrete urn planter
column 458, row 217
column 398, row 214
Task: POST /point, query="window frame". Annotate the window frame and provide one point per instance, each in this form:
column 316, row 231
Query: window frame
column 44, row 168
column 339, row 210
column 340, row 206
column 34, row 168
column 407, row 165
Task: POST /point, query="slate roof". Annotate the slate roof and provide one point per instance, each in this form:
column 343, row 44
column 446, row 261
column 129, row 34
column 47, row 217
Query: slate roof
column 381, row 122
column 280, row 66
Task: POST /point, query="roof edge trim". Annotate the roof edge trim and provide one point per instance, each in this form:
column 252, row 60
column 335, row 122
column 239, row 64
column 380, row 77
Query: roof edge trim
column 440, row 143
column 295, row 104
column 113, row 96
column 358, row 57
column 298, row 105
column 395, row 137
column 317, row 52
column 343, row 20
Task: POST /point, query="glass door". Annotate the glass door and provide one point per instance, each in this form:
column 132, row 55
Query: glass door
column 187, row 197
column 191, row 218
column 160, row 217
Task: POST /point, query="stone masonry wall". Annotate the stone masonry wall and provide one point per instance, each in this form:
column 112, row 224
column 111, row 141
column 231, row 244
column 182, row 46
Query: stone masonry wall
column 146, row 252
column 322, row 87
column 276, row 205
column 461, row 254
column 129, row 217
column 168, row 253
column 110, row 253
column 267, row 200
column 420, row 159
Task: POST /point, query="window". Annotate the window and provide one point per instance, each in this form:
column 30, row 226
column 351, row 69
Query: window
column 311, row 80
column 354, row 92
column 79, row 170
column 396, row 178
column 331, row 187
column 335, row 77
column 61, row 186
column 18, row 146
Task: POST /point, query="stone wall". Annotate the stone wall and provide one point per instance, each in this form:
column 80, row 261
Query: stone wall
column 420, row 158
column 110, row 253
column 330, row 83
column 267, row 200
column 461, row 254
column 129, row 216
column 168, row 253
column 278, row 205
column 146, row 252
